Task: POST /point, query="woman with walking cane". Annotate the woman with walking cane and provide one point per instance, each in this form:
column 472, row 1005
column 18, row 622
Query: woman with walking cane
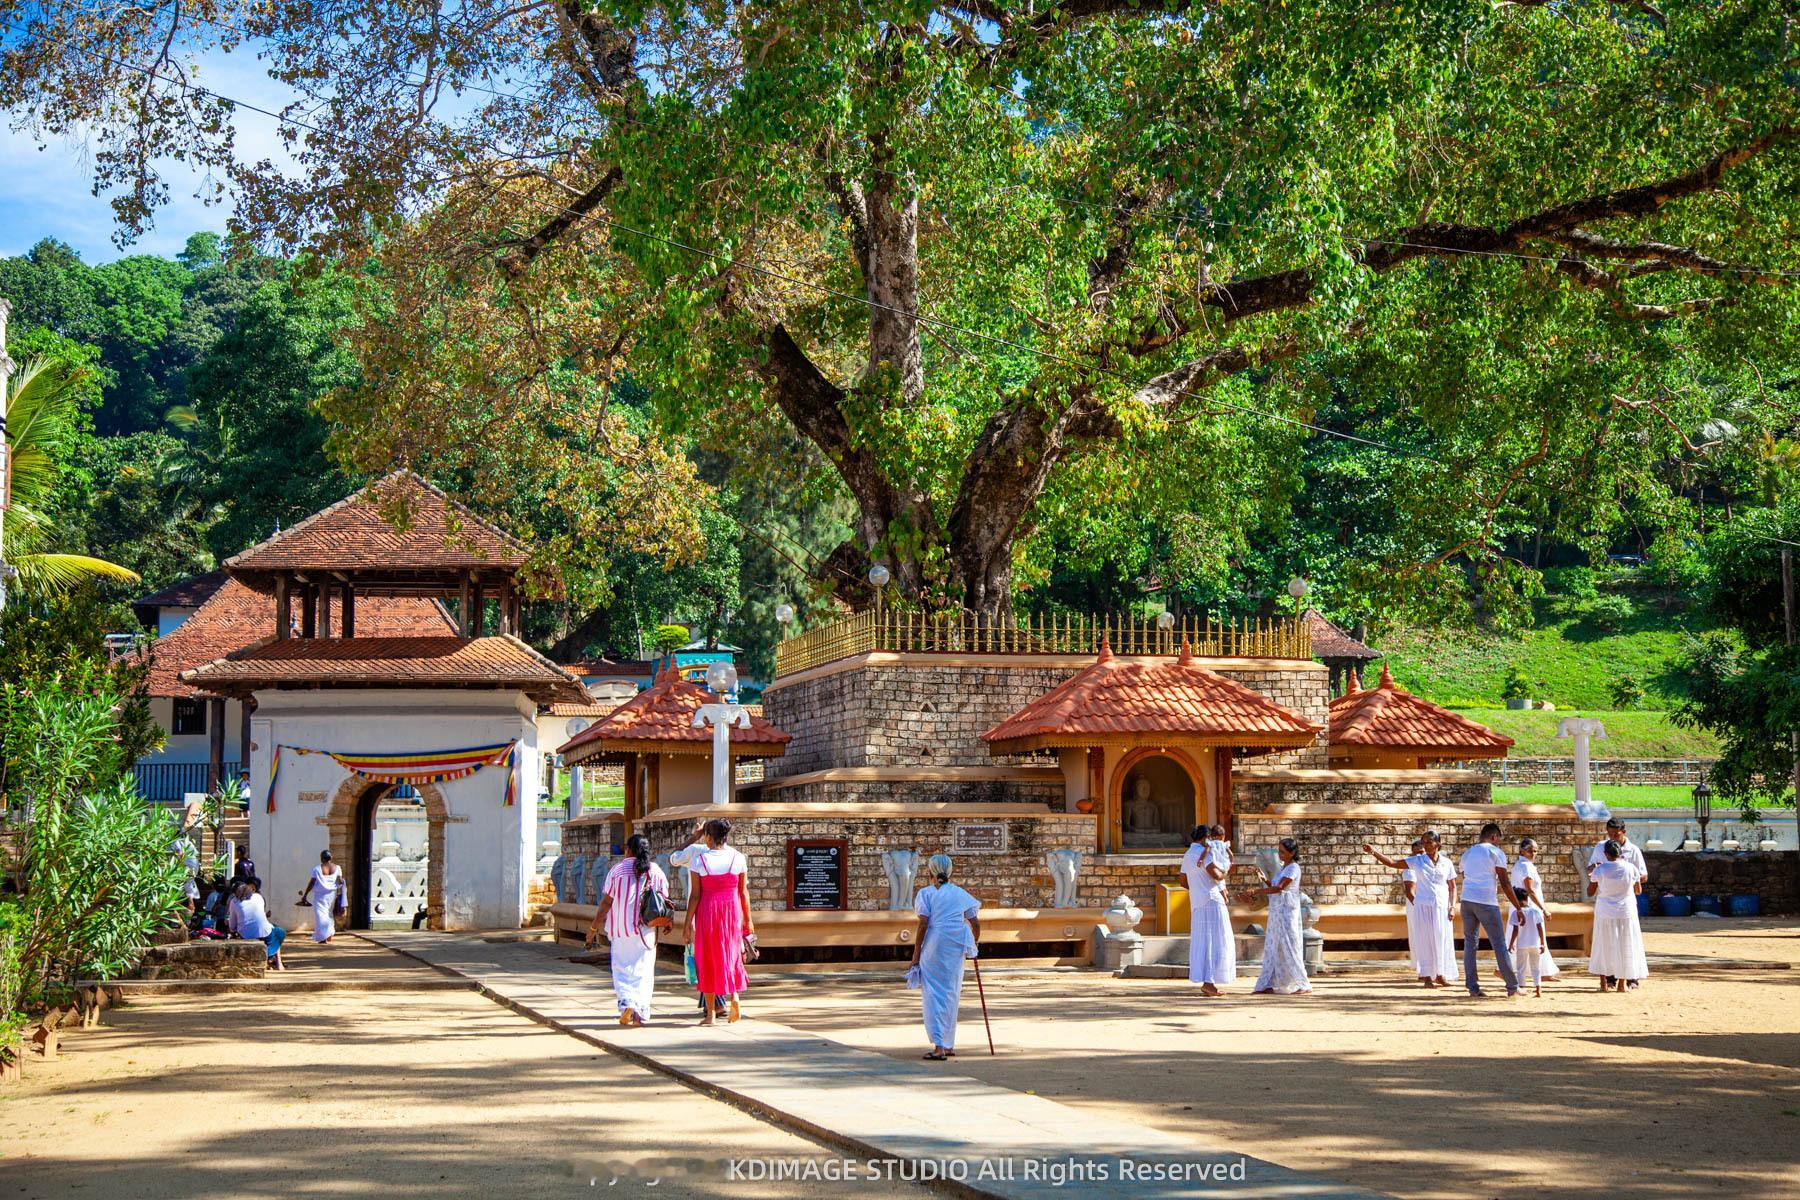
column 948, row 934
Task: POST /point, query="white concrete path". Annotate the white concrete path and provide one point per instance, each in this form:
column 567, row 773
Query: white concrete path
column 920, row 1117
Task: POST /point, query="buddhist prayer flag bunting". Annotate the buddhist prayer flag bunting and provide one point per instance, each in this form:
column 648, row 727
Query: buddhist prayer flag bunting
column 439, row 766
column 436, row 766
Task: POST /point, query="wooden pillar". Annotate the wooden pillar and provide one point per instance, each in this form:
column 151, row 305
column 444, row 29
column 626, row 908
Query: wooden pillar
column 505, row 598
column 309, row 612
column 348, row 621
column 215, row 739
column 1222, row 775
column 632, row 812
column 464, row 606
column 284, row 609
column 323, row 605
column 1096, row 763
column 653, row 794
column 245, row 708
column 476, row 603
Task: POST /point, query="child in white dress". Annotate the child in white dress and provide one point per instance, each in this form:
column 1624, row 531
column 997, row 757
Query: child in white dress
column 1528, row 947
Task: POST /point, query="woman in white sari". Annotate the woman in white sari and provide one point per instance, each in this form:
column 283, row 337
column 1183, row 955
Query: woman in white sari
column 329, row 894
column 1212, row 948
column 1283, row 962
column 949, row 934
column 1617, row 953
column 631, row 943
column 1431, row 934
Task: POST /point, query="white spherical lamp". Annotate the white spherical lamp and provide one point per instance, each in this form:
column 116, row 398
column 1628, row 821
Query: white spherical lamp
column 784, row 613
column 722, row 678
column 1165, row 620
column 879, row 576
column 1298, row 587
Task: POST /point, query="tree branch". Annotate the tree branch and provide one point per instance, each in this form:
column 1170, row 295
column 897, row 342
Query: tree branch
column 515, row 261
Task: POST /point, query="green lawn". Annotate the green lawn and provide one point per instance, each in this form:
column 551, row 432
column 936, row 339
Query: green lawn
column 1615, row 795
column 1568, row 662
column 1630, row 734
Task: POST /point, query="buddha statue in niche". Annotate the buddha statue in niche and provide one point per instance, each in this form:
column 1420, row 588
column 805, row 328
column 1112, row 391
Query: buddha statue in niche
column 1142, row 813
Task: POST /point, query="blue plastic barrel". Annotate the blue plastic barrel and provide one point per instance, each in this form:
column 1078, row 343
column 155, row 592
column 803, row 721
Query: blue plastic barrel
column 1744, row 906
column 1646, row 904
column 1709, row 904
column 1677, row 906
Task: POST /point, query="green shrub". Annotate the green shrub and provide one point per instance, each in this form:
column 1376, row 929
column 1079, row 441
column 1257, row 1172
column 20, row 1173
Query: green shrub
column 1608, row 614
column 1576, row 583
column 1673, row 561
column 1627, row 692
column 1515, row 686
column 669, row 638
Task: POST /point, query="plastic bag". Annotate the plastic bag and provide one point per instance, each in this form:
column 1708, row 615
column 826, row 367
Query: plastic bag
column 688, row 968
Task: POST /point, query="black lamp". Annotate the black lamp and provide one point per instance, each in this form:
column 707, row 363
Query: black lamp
column 1702, row 808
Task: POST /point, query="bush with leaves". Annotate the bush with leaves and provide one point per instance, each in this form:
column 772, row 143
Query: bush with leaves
column 1609, row 614
column 1574, row 583
column 670, row 638
column 99, row 876
column 1627, row 692
column 1515, row 686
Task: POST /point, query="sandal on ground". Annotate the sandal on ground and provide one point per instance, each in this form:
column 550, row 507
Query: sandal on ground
column 935, row 1056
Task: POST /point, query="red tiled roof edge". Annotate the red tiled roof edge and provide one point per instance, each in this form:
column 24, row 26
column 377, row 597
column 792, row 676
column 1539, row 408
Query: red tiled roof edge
column 1376, row 717
column 666, row 710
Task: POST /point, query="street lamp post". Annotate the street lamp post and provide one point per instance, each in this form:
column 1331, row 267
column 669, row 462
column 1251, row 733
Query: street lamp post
column 1298, row 588
column 1702, row 808
column 722, row 678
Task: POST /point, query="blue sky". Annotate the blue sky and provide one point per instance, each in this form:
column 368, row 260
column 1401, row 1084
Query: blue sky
column 46, row 188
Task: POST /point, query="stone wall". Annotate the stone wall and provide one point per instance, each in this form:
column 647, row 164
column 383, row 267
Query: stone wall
column 918, row 791
column 1773, row 875
column 1251, row 793
column 233, row 959
column 1338, row 872
column 1684, row 772
column 914, row 711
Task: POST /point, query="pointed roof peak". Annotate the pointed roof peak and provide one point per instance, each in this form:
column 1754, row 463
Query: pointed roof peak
column 1355, row 684
column 355, row 534
column 1187, row 652
column 1387, row 680
column 1389, row 715
column 1106, row 654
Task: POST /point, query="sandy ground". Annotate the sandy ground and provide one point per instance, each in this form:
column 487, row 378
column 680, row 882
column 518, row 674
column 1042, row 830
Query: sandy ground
column 1687, row 1087
column 435, row 1094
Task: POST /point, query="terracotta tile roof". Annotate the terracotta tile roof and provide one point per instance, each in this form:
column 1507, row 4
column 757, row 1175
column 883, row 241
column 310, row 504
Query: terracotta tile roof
column 188, row 593
column 501, row 662
column 1177, row 697
column 1389, row 715
column 1330, row 641
column 236, row 618
column 354, row 535
column 592, row 708
column 663, row 715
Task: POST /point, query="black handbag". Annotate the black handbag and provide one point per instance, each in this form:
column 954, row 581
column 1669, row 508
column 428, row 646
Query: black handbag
column 654, row 909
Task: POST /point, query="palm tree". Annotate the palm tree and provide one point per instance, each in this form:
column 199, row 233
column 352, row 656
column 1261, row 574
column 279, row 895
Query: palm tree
column 41, row 420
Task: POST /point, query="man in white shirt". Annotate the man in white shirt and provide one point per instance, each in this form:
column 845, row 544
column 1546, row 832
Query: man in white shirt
column 1628, row 850
column 1485, row 877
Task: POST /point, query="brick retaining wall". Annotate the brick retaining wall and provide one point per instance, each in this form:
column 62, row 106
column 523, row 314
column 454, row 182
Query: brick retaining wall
column 1517, row 772
column 917, row 791
column 1252, row 794
column 913, row 711
column 1338, row 872
column 1773, row 875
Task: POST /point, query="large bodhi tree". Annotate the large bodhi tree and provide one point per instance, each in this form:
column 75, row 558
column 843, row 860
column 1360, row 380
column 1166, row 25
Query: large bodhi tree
column 1005, row 264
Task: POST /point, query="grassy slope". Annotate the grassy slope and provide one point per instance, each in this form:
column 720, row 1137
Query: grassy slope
column 1634, row 734
column 1568, row 662
column 1615, row 796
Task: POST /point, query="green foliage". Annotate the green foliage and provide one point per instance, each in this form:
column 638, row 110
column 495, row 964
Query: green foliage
column 1750, row 700
column 1745, row 560
column 1608, row 614
column 1675, row 561
column 1627, row 692
column 1576, row 583
column 668, row 638
column 99, row 876
column 1515, row 686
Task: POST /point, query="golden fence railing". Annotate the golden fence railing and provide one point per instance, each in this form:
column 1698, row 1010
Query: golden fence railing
column 1064, row 633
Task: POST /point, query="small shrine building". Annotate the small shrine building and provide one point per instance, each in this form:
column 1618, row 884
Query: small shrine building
column 346, row 714
column 1388, row 726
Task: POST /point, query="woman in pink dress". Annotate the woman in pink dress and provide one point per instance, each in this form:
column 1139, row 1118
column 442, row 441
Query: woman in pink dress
column 718, row 921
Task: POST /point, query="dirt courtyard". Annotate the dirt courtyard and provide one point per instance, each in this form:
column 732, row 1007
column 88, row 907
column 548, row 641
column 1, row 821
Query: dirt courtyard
column 1688, row 1087
column 335, row 1094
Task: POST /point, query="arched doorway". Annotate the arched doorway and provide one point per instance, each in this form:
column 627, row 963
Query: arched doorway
column 376, row 836
column 1157, row 798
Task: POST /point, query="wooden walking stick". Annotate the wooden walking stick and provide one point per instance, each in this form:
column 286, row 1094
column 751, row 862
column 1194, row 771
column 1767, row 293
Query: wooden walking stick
column 982, row 992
